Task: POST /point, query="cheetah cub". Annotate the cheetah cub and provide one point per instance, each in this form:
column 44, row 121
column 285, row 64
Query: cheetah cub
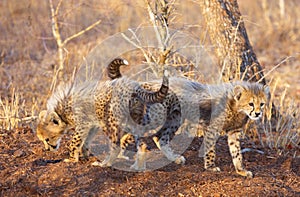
column 90, row 106
column 220, row 109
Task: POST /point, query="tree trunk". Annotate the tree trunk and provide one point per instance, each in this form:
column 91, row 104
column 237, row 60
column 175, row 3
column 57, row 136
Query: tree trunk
column 229, row 37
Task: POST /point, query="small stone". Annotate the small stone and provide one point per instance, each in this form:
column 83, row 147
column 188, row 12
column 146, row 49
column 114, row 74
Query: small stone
column 18, row 153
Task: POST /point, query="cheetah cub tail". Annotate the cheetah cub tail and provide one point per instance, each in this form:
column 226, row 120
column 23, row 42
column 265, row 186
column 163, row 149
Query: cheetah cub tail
column 113, row 68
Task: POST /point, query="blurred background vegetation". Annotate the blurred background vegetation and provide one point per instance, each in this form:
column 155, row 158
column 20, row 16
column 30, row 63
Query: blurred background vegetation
column 28, row 50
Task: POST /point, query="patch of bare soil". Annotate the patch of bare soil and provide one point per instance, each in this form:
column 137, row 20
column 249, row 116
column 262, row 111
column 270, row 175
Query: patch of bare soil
column 27, row 170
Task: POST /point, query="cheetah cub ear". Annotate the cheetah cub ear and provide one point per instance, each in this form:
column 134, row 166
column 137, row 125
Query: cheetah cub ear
column 237, row 92
column 42, row 116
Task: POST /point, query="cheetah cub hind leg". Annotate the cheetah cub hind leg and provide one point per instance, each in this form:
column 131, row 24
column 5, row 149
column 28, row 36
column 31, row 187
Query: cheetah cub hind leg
column 110, row 159
column 140, row 158
column 167, row 151
column 124, row 142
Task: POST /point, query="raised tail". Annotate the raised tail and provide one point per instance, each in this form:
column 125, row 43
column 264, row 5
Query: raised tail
column 155, row 97
column 113, row 69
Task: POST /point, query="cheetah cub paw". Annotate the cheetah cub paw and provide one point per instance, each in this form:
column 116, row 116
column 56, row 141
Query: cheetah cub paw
column 70, row 160
column 214, row 169
column 101, row 164
column 180, row 160
column 245, row 173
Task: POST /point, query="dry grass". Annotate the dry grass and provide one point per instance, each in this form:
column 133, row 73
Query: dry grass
column 281, row 132
column 28, row 52
column 14, row 113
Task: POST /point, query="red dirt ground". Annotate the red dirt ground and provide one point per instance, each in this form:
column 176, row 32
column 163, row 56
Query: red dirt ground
column 27, row 170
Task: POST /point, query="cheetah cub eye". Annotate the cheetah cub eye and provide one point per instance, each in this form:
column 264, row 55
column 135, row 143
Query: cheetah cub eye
column 251, row 104
column 55, row 121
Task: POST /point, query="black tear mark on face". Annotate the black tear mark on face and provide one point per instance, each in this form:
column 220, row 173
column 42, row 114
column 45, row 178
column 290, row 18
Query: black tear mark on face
column 52, row 146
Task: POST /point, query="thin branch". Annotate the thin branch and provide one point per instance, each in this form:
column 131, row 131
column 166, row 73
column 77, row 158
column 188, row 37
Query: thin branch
column 159, row 19
column 19, row 119
column 148, row 59
column 54, row 22
column 58, row 6
column 81, row 32
column 56, row 34
column 153, row 21
column 275, row 67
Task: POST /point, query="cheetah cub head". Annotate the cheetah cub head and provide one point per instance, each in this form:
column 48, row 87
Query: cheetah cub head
column 251, row 99
column 50, row 129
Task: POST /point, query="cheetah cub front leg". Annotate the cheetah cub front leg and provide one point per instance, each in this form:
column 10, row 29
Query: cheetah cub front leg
column 236, row 154
column 210, row 139
column 75, row 148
